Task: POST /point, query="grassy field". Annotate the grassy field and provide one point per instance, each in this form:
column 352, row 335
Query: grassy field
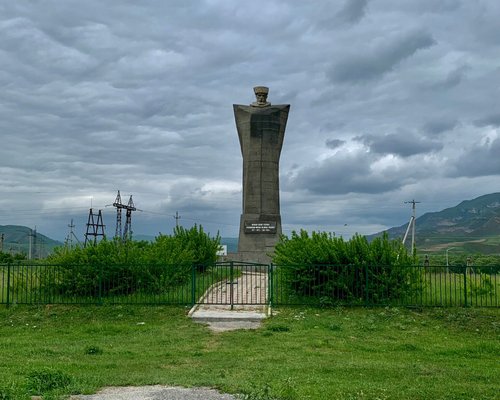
column 301, row 353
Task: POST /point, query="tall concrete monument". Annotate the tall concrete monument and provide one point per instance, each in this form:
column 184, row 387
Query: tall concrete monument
column 261, row 130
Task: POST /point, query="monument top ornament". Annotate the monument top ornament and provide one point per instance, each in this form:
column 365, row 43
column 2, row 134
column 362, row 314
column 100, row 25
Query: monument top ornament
column 261, row 93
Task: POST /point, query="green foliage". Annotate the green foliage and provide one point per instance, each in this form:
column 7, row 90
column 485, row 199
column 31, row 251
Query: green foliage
column 117, row 267
column 482, row 286
column 332, row 269
column 6, row 393
column 6, row 258
column 47, row 380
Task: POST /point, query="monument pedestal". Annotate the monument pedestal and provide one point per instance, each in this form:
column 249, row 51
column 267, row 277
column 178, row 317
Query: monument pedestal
column 258, row 236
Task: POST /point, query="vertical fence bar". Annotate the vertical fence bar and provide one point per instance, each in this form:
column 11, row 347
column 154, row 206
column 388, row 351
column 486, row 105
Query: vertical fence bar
column 193, row 284
column 8, row 285
column 231, row 284
column 465, row 287
column 270, row 287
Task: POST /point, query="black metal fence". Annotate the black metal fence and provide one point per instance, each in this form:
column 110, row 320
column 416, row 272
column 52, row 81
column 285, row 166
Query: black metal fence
column 233, row 283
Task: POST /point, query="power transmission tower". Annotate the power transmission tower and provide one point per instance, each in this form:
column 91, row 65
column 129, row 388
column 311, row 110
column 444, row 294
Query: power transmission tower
column 127, row 232
column 71, row 235
column 177, row 218
column 129, row 207
column 119, row 206
column 412, row 225
column 95, row 227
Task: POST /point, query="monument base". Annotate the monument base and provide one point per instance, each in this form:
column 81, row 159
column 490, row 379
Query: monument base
column 259, row 234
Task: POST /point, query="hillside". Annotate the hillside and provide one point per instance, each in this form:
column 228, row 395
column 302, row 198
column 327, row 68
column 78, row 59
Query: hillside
column 473, row 225
column 16, row 239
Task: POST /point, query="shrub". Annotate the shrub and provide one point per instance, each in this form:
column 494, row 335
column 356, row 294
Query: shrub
column 114, row 267
column 331, row 269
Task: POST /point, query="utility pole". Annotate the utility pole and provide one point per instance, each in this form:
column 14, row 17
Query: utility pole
column 35, row 252
column 412, row 225
column 30, row 246
column 177, row 218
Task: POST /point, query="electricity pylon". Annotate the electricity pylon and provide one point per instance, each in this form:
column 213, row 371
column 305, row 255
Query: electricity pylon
column 129, row 207
column 95, row 227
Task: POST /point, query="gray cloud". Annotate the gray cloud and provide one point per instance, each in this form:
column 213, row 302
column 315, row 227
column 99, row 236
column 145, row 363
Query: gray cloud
column 377, row 62
column 480, row 160
column 346, row 173
column 352, row 11
column 96, row 98
column 489, row 120
column 438, row 126
column 334, row 143
column 403, row 144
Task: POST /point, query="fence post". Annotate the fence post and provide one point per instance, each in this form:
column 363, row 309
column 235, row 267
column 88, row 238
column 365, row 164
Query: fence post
column 193, row 284
column 8, row 285
column 231, row 280
column 270, row 286
column 465, row 287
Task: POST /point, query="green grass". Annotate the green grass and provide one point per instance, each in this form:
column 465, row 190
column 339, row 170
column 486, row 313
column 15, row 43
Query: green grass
column 301, row 353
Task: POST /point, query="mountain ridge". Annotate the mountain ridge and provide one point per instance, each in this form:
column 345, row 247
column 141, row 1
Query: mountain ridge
column 475, row 224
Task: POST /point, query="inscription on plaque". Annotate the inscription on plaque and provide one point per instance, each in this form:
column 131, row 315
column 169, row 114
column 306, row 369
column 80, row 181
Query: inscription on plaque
column 260, row 227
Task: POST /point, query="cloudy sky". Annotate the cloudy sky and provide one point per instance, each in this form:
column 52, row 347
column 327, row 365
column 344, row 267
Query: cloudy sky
column 391, row 100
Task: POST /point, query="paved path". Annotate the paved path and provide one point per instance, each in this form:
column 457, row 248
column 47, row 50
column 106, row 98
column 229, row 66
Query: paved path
column 238, row 305
column 155, row 393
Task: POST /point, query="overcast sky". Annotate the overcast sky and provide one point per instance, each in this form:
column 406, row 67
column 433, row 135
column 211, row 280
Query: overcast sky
column 391, row 100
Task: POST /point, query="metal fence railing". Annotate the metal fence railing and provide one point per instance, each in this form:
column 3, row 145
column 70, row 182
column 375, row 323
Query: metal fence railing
column 233, row 283
column 369, row 285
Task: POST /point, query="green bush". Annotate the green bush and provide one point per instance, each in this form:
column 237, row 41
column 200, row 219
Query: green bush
column 114, row 267
column 331, row 269
column 46, row 380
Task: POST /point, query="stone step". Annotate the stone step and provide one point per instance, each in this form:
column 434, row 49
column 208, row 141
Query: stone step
column 227, row 316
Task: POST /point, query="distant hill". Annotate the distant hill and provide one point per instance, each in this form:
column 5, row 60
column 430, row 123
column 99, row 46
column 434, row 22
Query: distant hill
column 473, row 225
column 16, row 239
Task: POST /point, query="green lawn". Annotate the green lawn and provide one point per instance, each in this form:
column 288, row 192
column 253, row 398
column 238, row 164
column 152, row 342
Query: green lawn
column 301, row 353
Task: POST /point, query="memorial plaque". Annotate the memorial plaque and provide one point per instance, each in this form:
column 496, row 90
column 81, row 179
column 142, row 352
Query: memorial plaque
column 260, row 227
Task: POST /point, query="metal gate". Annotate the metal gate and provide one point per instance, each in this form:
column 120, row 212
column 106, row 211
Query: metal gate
column 237, row 283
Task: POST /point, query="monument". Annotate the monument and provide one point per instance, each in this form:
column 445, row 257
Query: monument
column 261, row 130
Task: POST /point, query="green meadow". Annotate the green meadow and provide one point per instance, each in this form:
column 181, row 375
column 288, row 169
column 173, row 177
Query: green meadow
column 299, row 353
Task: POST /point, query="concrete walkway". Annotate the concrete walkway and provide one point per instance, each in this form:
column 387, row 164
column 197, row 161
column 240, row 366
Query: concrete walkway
column 241, row 304
column 155, row 393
